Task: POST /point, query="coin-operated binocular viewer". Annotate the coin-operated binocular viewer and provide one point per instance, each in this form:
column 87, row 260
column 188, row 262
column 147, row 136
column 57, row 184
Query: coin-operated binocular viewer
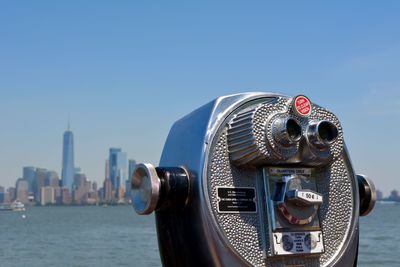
column 255, row 179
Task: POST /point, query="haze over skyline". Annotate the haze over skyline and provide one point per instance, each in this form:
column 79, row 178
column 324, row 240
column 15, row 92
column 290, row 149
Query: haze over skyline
column 123, row 72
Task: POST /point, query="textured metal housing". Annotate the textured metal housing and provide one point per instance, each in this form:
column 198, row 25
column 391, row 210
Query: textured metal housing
column 204, row 144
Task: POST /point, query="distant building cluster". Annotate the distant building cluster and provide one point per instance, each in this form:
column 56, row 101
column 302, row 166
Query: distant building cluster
column 39, row 186
column 118, row 172
column 394, row 196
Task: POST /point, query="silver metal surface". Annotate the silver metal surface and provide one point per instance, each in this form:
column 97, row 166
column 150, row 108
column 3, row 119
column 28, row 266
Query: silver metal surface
column 339, row 175
column 190, row 149
column 321, row 134
column 145, row 188
column 293, row 207
column 227, row 143
column 286, row 131
column 372, row 191
column 259, row 134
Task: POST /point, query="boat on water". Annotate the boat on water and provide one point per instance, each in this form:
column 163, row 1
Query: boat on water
column 5, row 207
column 18, row 206
column 15, row 206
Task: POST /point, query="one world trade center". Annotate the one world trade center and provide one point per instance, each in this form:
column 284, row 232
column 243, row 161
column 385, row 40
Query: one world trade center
column 68, row 168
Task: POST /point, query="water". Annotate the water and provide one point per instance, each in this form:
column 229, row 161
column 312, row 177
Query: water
column 77, row 236
column 379, row 237
column 116, row 236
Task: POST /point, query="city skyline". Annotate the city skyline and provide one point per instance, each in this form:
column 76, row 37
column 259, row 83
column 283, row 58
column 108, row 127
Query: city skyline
column 43, row 186
column 120, row 170
column 124, row 73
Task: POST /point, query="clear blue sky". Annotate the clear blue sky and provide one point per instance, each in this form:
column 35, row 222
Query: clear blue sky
column 124, row 71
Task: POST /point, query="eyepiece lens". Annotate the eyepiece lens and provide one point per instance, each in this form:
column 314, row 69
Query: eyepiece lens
column 327, row 131
column 293, row 129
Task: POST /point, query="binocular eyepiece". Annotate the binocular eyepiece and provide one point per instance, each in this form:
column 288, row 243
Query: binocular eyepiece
column 286, row 131
column 322, row 134
column 255, row 179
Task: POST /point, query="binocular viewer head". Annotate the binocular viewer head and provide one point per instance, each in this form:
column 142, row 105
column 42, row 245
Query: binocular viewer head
column 255, row 179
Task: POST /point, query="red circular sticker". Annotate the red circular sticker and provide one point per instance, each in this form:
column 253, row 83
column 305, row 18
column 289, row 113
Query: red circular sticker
column 302, row 105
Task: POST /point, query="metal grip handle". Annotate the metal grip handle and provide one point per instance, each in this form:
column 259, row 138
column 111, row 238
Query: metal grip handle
column 304, row 197
column 145, row 188
column 159, row 188
column 367, row 194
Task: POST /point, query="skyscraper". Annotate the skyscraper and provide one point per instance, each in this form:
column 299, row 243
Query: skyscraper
column 132, row 165
column 68, row 169
column 131, row 168
column 107, row 170
column 52, row 179
column 11, row 194
column 117, row 168
column 40, row 181
column 2, row 193
column 107, row 191
column 81, row 188
column 29, row 175
column 22, row 189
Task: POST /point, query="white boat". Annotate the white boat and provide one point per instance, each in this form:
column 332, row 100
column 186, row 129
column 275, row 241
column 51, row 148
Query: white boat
column 5, row 207
column 17, row 206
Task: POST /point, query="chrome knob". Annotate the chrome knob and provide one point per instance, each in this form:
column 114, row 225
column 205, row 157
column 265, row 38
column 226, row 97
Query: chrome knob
column 159, row 188
column 299, row 202
column 145, row 188
column 367, row 193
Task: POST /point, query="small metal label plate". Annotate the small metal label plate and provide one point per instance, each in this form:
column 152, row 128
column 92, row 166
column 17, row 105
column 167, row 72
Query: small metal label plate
column 236, row 199
column 292, row 243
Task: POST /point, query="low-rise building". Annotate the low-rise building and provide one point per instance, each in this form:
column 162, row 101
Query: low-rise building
column 65, row 196
column 47, row 195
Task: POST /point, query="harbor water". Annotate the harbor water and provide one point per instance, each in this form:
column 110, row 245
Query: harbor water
column 116, row 236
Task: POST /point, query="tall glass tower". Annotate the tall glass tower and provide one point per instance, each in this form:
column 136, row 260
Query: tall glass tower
column 29, row 175
column 117, row 168
column 68, row 169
